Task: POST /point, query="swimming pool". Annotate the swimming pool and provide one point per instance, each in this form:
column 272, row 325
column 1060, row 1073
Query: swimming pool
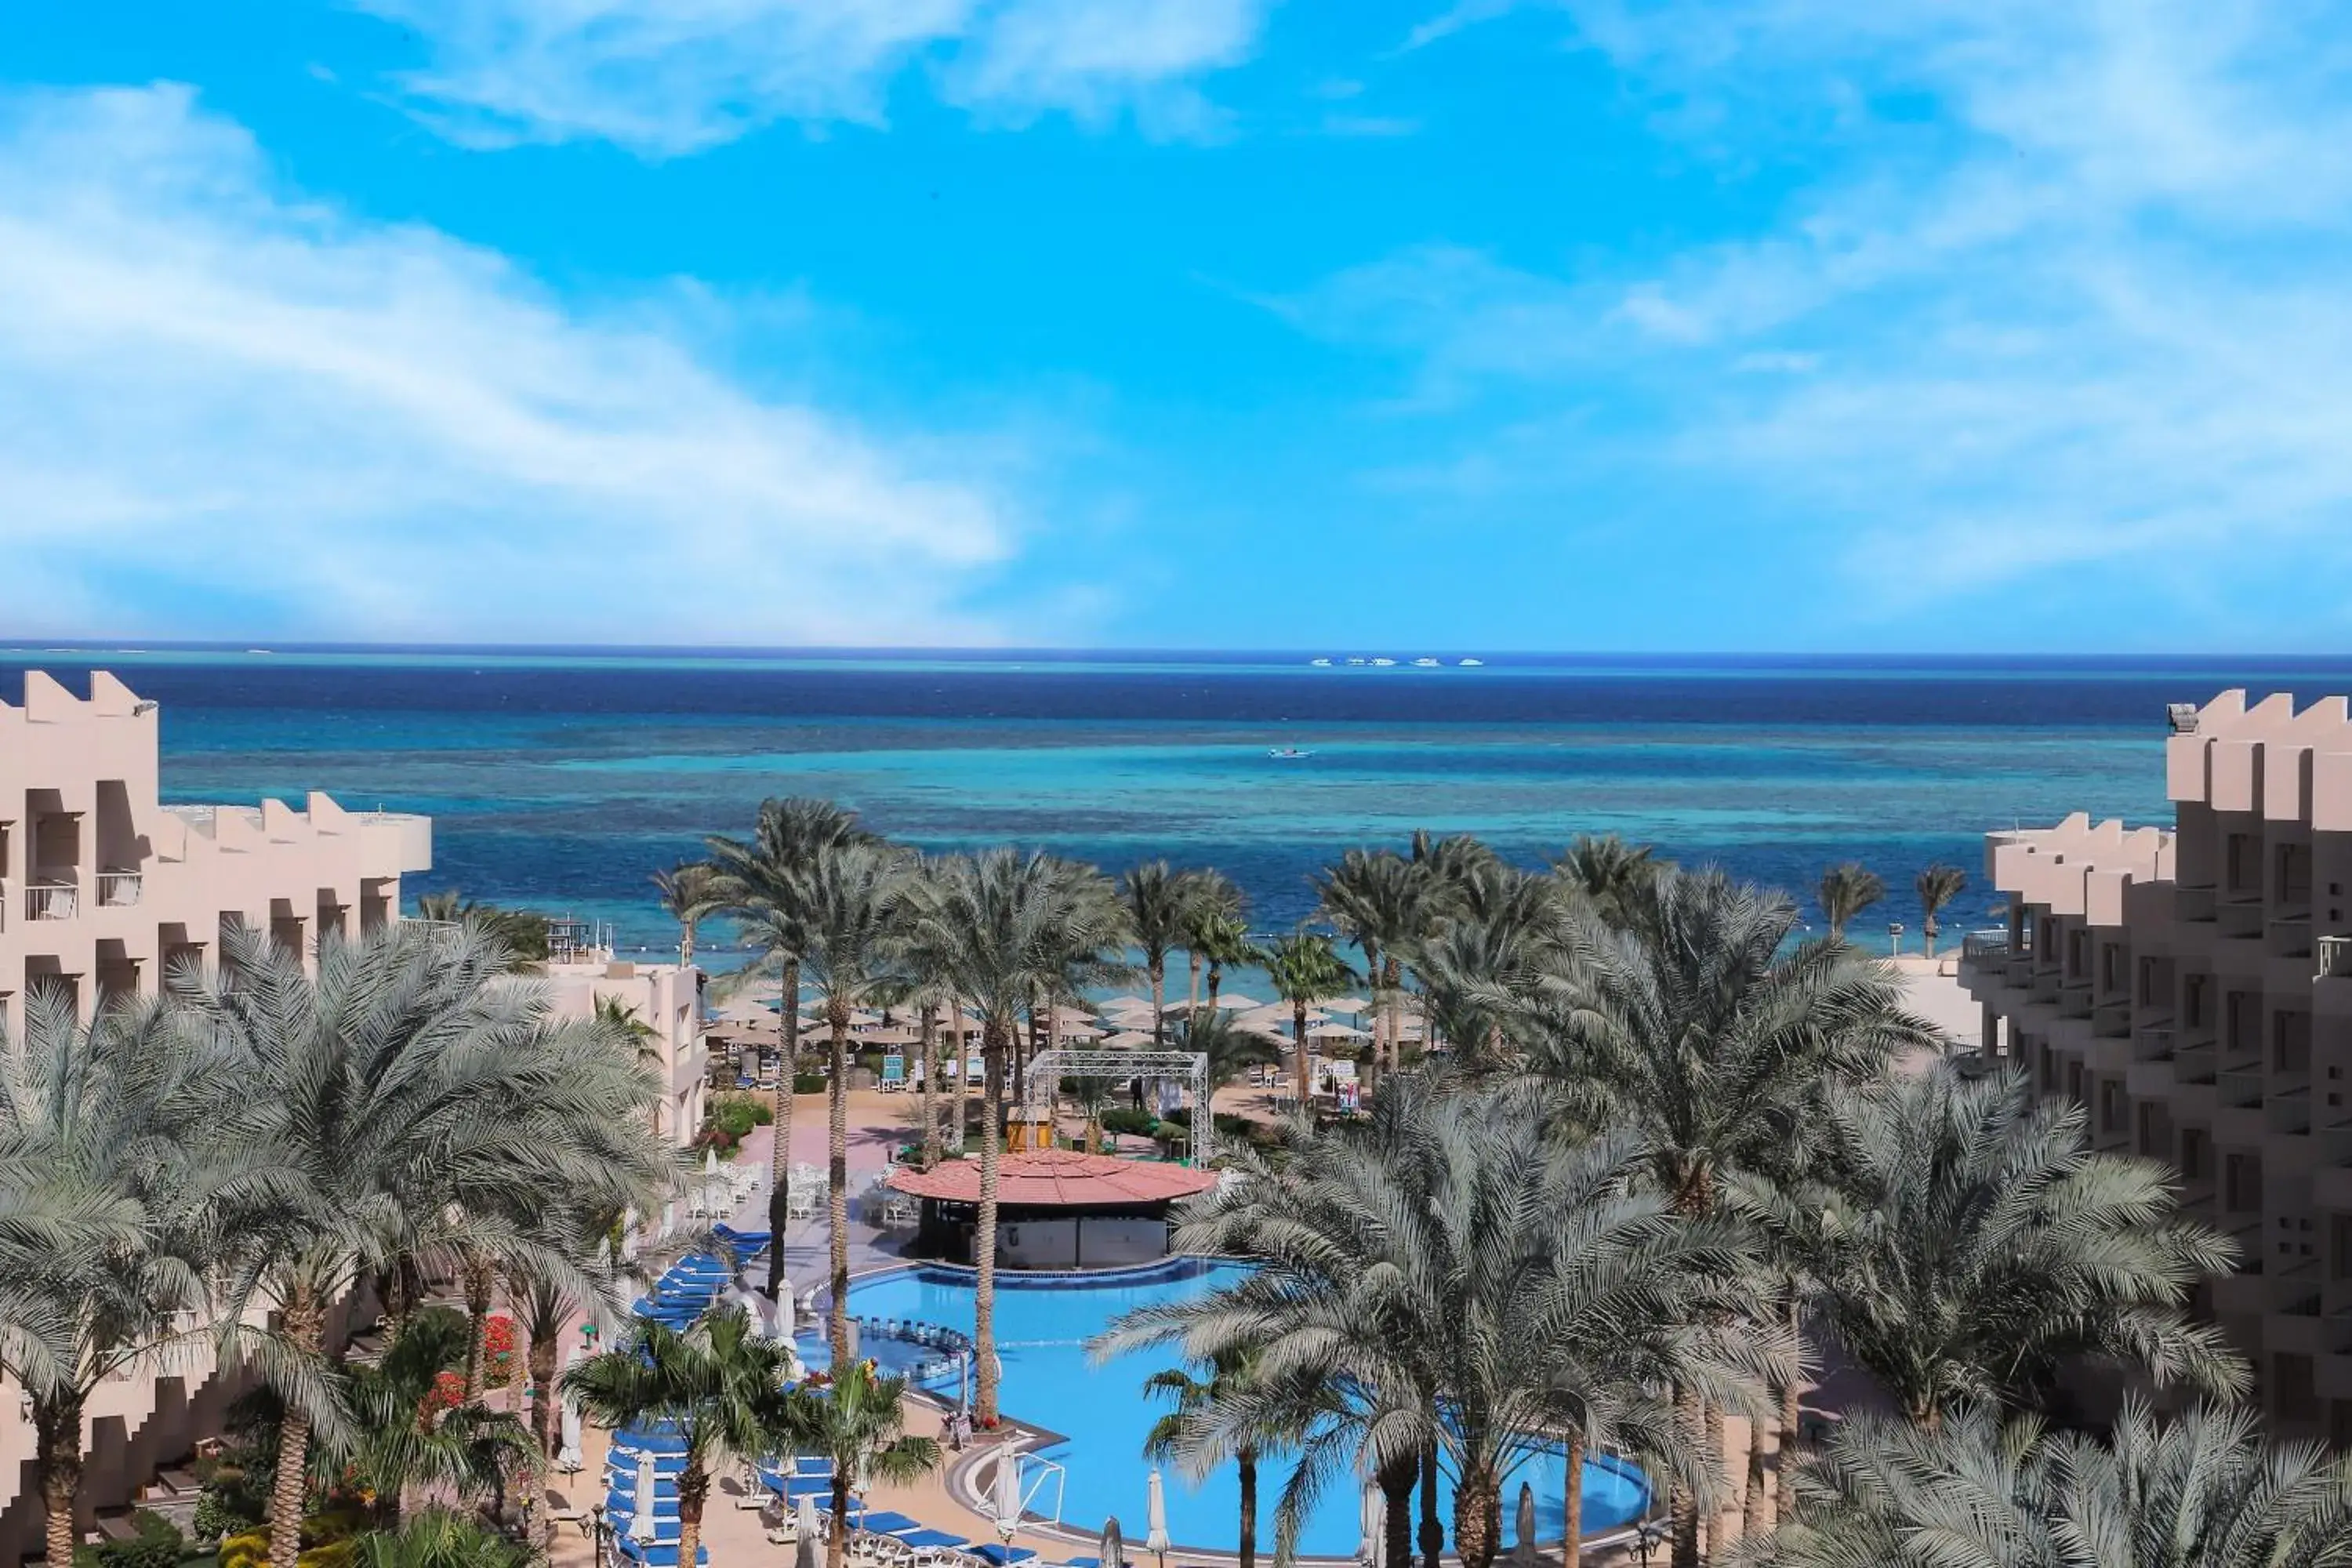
column 1043, row 1324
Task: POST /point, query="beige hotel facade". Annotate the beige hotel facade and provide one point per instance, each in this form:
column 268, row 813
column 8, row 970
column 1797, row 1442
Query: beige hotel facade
column 103, row 887
column 2192, row 987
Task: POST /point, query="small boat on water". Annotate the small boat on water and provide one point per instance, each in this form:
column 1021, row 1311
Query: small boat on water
column 1424, row 664
column 1352, row 659
column 1286, row 753
column 1321, row 663
column 1470, row 663
column 1382, row 663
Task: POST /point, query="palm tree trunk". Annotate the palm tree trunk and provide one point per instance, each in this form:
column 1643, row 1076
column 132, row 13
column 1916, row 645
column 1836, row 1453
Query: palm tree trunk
column 1396, row 1521
column 685, row 944
column 1246, row 1458
column 1792, row 1414
column 480, row 1281
column 1193, row 996
column 1301, row 1067
column 836, row 1539
column 931, row 1085
column 1159, row 1002
column 1477, row 1517
column 1216, row 983
column 693, row 1486
column 305, row 1330
column 983, row 1240
column 1392, row 977
column 1756, row 1509
column 837, row 1165
column 780, row 1156
column 1571, row 1531
column 1686, row 1507
column 544, row 1345
column 1718, row 1466
column 1432, row 1533
column 57, row 1431
column 963, row 1079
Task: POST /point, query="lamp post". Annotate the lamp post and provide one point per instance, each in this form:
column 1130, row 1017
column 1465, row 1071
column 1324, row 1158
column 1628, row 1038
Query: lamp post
column 603, row 1531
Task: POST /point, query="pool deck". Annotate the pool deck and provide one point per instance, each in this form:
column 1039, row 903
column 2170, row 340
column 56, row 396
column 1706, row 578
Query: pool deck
column 879, row 1123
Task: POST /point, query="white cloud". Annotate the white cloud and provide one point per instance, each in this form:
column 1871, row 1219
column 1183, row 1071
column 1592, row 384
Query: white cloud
column 2067, row 290
column 223, row 404
column 666, row 76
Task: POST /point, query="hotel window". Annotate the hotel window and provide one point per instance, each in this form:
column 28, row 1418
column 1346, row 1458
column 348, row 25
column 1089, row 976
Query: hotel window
column 2245, row 861
column 2197, row 1002
column 2295, row 1387
column 2242, row 1184
column 2112, row 1110
column 2195, row 1154
column 2339, row 1246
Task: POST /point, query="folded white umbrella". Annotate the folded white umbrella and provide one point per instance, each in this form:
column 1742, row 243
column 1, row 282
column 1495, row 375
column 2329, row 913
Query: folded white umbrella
column 1374, row 1552
column 1523, row 1553
column 1155, row 1538
column 567, row 1457
column 804, row 1522
column 1113, row 1550
column 641, row 1501
column 1005, row 1503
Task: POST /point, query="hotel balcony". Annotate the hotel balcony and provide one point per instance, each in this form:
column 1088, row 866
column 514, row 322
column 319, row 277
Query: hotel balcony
column 48, row 900
column 118, row 890
column 2194, row 903
column 2334, row 957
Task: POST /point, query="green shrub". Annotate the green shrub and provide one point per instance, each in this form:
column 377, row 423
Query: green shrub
column 808, row 1083
column 762, row 1110
column 159, row 1544
column 224, row 1511
column 1127, row 1118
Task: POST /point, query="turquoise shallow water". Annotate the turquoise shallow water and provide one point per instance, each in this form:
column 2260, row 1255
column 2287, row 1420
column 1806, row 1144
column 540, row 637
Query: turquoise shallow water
column 1042, row 1329
column 560, row 779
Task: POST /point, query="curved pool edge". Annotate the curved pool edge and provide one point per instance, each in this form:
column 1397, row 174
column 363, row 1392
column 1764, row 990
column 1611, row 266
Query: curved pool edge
column 959, row 1477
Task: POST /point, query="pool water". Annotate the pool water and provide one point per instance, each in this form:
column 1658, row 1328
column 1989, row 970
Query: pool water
column 1043, row 1325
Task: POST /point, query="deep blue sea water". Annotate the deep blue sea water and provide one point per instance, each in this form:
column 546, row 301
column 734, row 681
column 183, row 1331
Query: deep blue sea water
column 561, row 778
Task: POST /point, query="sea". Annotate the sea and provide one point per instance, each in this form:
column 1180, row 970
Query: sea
column 560, row 778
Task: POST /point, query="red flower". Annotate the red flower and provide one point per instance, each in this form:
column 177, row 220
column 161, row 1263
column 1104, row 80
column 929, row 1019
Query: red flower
column 448, row 1393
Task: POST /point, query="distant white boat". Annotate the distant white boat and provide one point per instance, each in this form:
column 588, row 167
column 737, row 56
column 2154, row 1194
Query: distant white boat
column 1382, row 663
column 1425, row 663
column 1321, row 663
column 1286, row 753
column 1353, row 660
column 1471, row 663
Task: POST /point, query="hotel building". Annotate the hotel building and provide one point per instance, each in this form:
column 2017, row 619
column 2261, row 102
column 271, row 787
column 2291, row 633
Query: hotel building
column 2192, row 988
column 102, row 888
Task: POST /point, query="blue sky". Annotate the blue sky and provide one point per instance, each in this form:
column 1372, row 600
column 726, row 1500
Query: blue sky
column 1568, row 324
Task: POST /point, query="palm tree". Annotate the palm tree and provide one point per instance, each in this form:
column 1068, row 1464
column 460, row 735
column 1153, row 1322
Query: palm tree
column 406, row 1103
column 855, row 915
column 718, row 1386
column 1306, row 969
column 760, row 884
column 1609, row 873
column 1972, row 1243
column 2199, row 1491
column 691, row 890
column 1695, row 1031
column 1221, row 941
column 1450, row 1278
column 1938, row 886
column 523, row 933
column 1209, row 897
column 1157, row 900
column 1173, row 1436
column 125, row 1123
column 1845, row 890
column 439, row 1538
column 996, row 929
column 1386, row 905
column 859, row 1422
column 1229, row 1049
column 395, row 1443
column 546, row 1301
